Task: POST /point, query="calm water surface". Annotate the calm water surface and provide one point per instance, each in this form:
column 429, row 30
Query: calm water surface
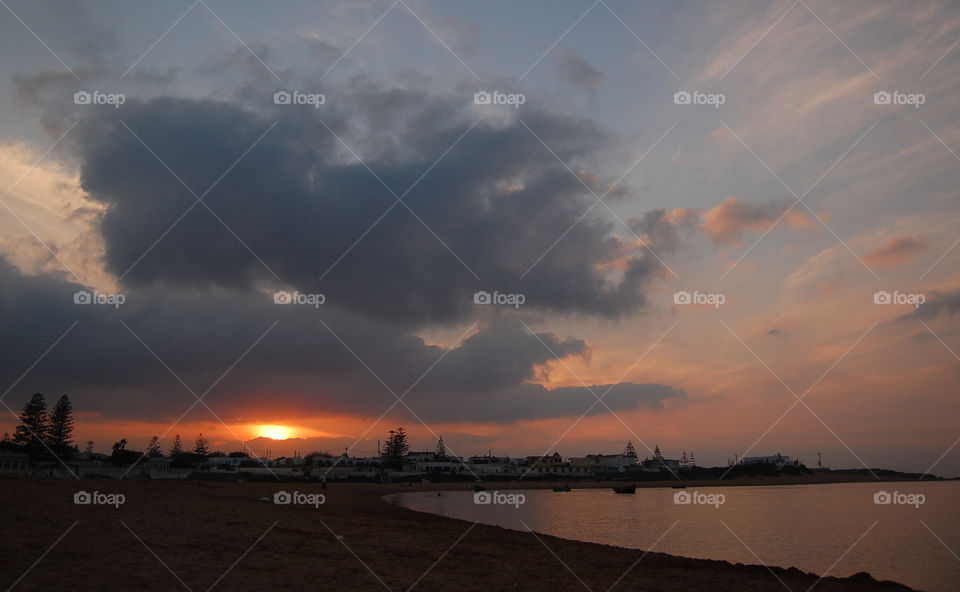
column 815, row 528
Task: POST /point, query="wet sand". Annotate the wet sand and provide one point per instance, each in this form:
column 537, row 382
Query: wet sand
column 206, row 533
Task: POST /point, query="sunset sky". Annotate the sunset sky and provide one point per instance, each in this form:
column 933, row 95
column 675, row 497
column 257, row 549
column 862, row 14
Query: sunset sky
column 598, row 199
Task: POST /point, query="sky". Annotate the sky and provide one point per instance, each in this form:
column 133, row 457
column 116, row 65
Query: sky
column 726, row 229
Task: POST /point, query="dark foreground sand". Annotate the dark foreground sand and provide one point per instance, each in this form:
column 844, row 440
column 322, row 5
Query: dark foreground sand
column 204, row 532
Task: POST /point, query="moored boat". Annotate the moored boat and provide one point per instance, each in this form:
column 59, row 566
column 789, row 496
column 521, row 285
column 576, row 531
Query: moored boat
column 625, row 489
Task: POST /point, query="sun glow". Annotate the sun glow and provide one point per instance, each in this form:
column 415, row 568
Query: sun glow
column 274, row 432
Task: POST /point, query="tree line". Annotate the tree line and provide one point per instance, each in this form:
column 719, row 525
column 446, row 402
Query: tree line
column 43, row 434
column 46, row 435
column 40, row 433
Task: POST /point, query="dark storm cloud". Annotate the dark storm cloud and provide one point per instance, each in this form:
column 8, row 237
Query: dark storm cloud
column 501, row 356
column 301, row 204
column 299, row 200
column 300, row 366
column 533, row 401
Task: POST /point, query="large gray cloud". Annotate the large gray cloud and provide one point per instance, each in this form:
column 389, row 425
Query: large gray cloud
column 498, row 200
column 300, row 367
column 303, row 206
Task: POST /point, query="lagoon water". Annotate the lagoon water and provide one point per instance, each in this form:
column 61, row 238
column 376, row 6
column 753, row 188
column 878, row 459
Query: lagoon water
column 833, row 529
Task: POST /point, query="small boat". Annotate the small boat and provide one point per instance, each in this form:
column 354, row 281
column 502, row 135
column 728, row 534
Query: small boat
column 561, row 488
column 479, row 488
column 625, row 489
column 679, row 486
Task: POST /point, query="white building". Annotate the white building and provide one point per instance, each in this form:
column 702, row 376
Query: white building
column 493, row 465
column 602, row 463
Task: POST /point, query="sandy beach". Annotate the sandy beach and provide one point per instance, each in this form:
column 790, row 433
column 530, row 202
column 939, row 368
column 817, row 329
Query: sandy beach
column 172, row 535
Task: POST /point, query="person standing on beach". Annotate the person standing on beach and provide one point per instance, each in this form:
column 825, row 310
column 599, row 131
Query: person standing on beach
column 323, row 482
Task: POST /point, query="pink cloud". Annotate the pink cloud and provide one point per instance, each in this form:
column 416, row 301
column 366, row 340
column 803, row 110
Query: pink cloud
column 725, row 223
column 896, row 251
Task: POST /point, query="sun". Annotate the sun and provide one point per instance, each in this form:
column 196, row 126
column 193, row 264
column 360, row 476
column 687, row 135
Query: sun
column 274, row 432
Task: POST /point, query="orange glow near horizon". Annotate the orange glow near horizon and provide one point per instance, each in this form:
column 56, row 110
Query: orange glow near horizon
column 274, row 432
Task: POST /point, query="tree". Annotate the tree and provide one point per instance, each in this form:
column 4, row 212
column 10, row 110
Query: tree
column 396, row 448
column 34, row 427
column 61, row 426
column 441, row 452
column 177, row 447
column 630, row 451
column 89, row 448
column 153, row 447
column 201, row 447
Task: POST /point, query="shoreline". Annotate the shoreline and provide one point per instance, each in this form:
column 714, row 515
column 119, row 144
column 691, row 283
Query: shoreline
column 815, row 479
column 199, row 529
column 507, row 486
